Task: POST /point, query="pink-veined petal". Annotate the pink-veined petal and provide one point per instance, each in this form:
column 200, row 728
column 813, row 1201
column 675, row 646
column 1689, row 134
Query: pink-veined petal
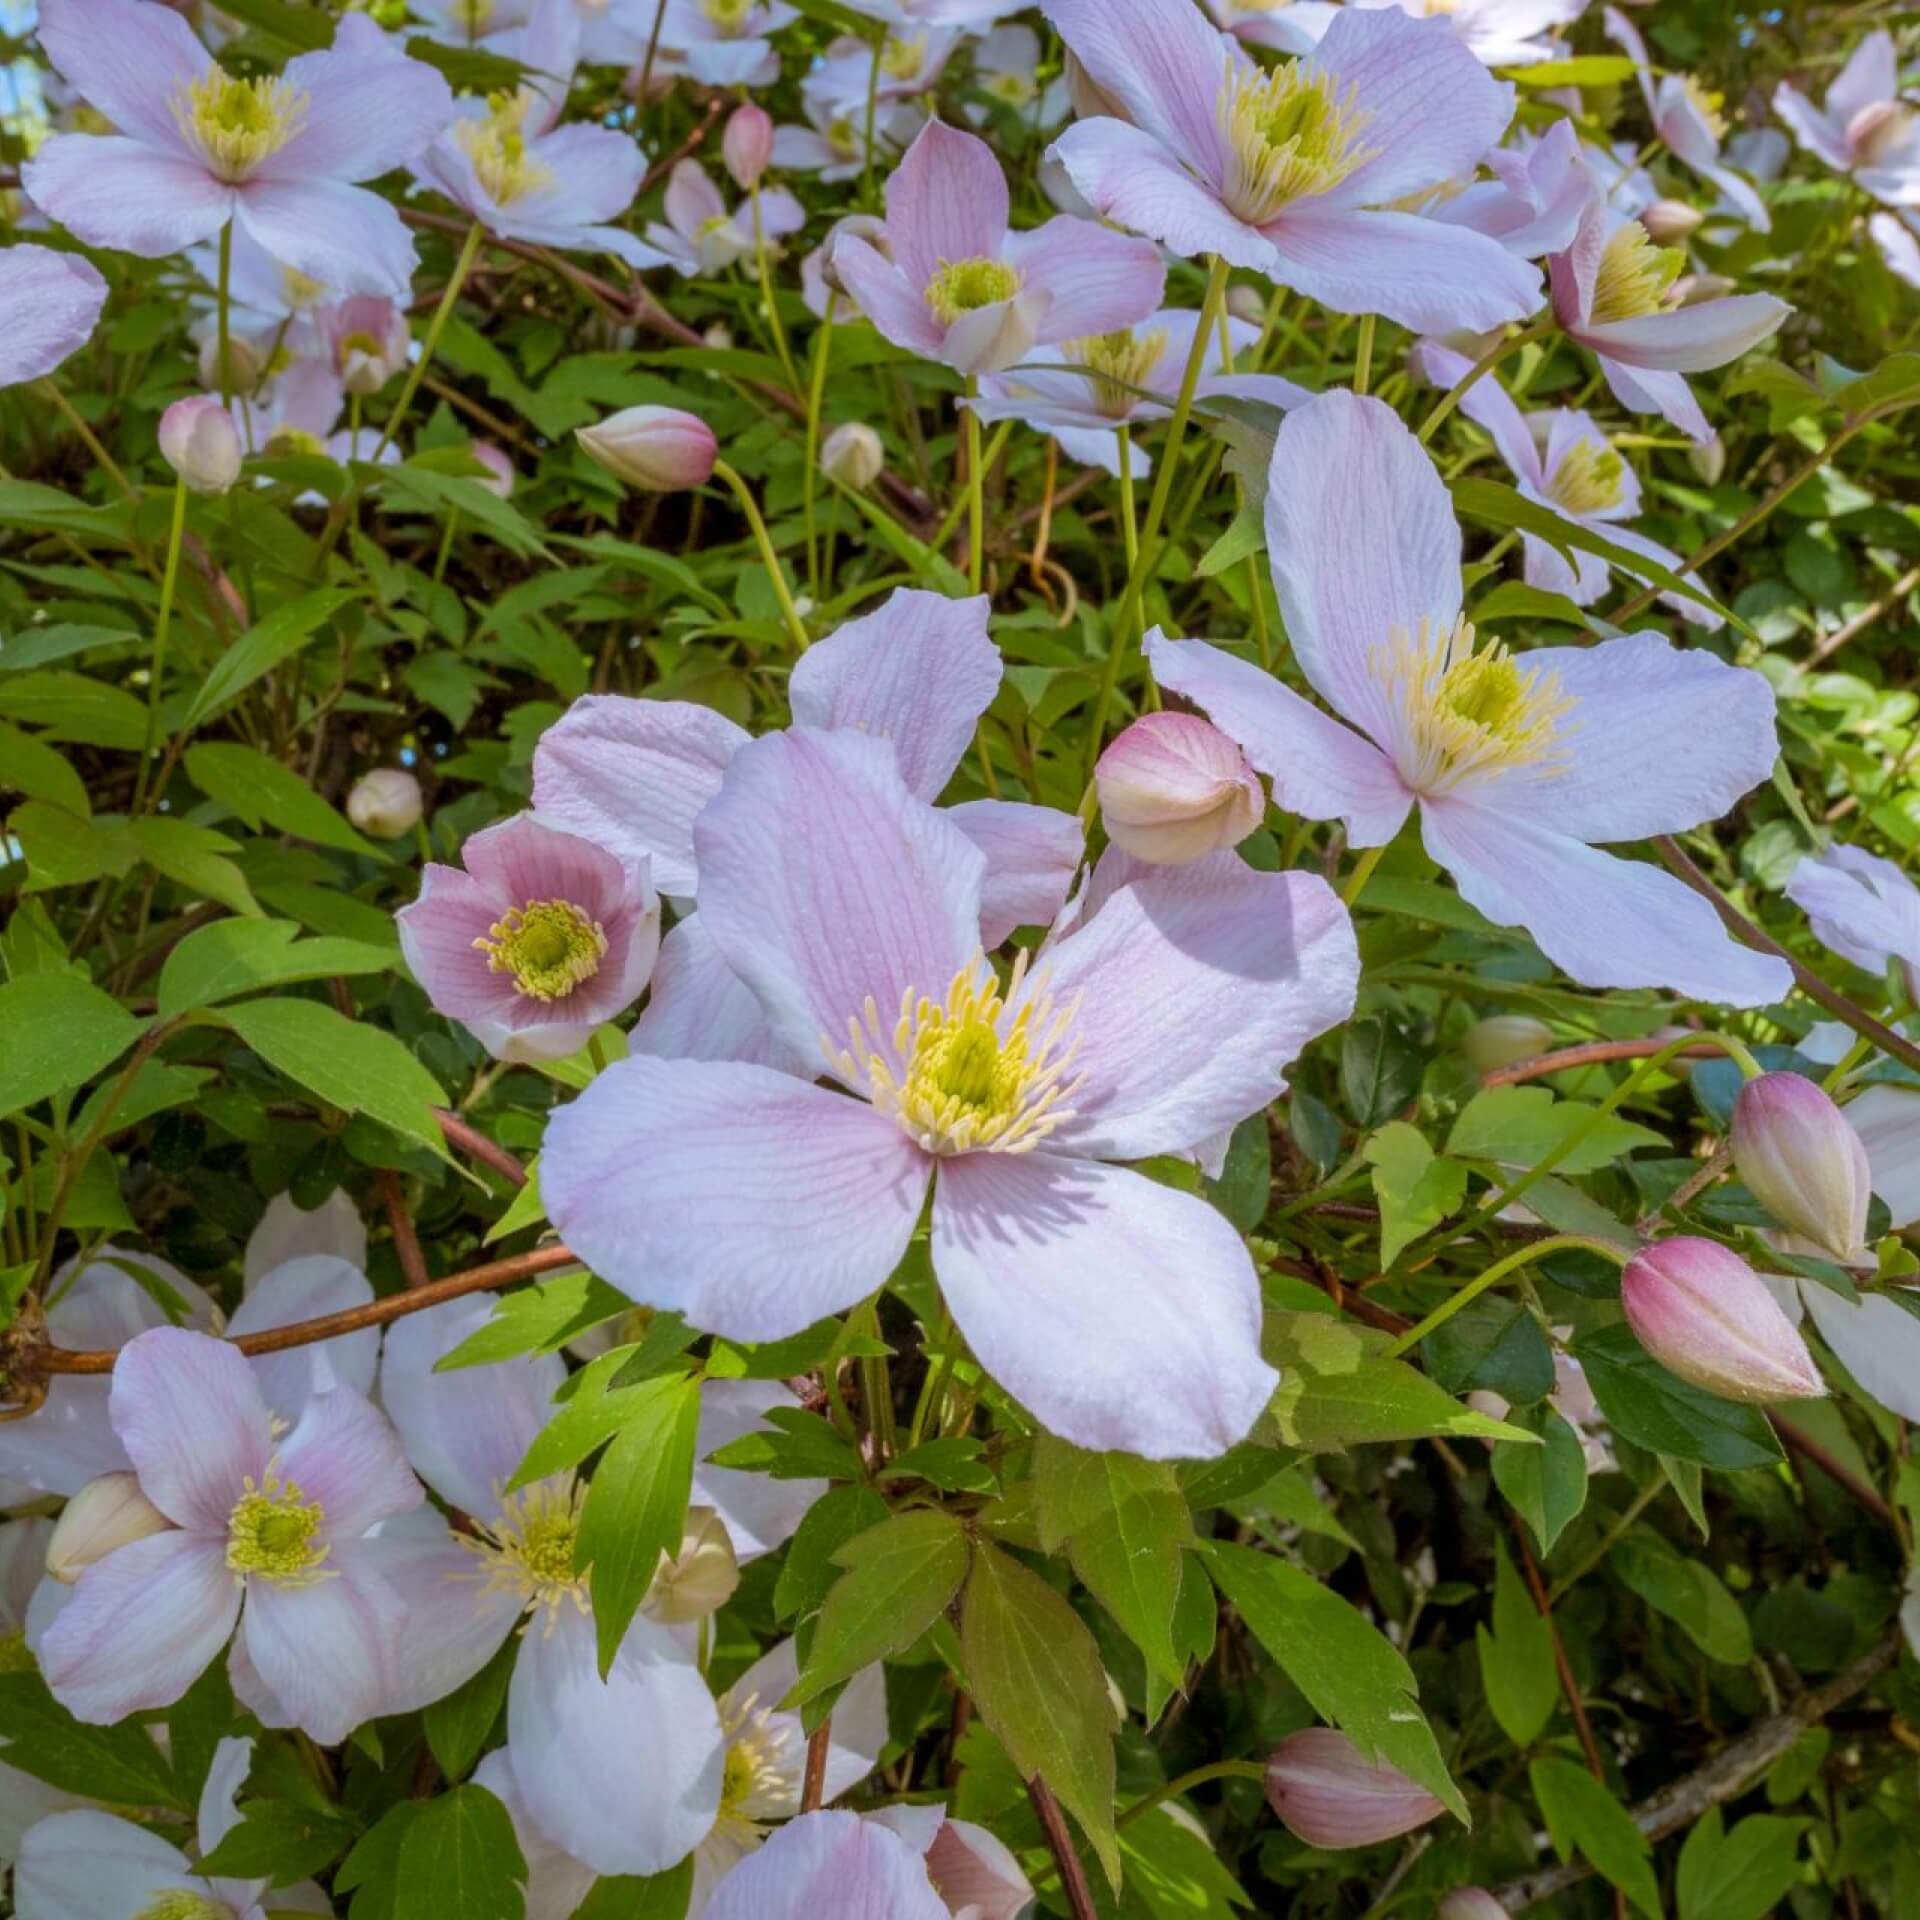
column 127, row 58
column 1032, row 855
column 1816, row 131
column 113, row 192
column 1689, row 339
column 829, row 1863
column 346, row 1456
column 1887, row 1119
column 190, row 1413
column 882, row 292
column 1096, row 280
column 1641, row 390
column 699, row 1010
column 946, row 201
column 1488, row 404
column 1876, row 1340
column 343, row 236
column 449, row 1624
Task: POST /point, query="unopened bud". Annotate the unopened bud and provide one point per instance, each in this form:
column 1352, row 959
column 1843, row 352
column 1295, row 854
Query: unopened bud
column 1705, row 1315
column 1174, row 788
column 1803, row 1162
column 499, row 480
column 1697, row 289
column 853, row 455
column 1668, row 222
column 1091, row 101
column 1326, row 1795
column 856, row 226
column 246, row 364
column 1470, row 1903
column 1245, row 303
column 656, row 449
column 201, row 443
column 385, row 803
column 368, row 338
column 747, row 145
column 106, row 1514
column 1504, row 1039
column 698, row 1580
column 976, row 1874
column 719, row 334
column 1708, row 459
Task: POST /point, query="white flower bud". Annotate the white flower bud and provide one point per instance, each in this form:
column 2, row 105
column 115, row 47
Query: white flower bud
column 1245, row 303
column 656, row 449
column 698, row 1580
column 499, row 481
column 853, row 455
column 201, row 443
column 106, row 1514
column 385, row 803
column 1174, row 788
column 1708, row 462
column 1668, row 222
column 246, row 364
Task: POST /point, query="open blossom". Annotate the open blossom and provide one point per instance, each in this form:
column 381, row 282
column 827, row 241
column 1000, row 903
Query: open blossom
column 1006, row 64
column 1517, row 763
column 198, row 146
column 1862, row 906
column 718, row 43
column 268, row 1533
column 1863, row 127
column 956, row 286
column 1084, row 390
column 903, row 67
column 1302, row 171
column 1614, row 293
column 1499, row 33
column 367, row 339
column 540, row 940
column 1533, row 203
column 1013, row 1098
column 700, row 235
column 1287, row 26
column 833, row 143
column 1562, row 460
column 49, row 305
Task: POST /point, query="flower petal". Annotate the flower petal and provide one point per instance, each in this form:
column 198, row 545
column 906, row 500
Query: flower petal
column 1689, row 339
column 1887, row 1120
column 750, row 1202
column 854, row 1744
column 760, row 1513
column 556, row 1881
column 88, row 1865
column 127, row 59
column 1872, row 74
column 305, row 1289
column 342, row 236
column 829, row 1863
column 113, row 192
column 288, row 1231
column 1488, row 404
column 1096, row 280
column 346, row 1456
column 1876, row 1340
column 699, row 1010
column 367, row 113
column 449, row 1625
column 1032, row 855
column 190, row 1413
column 881, row 291
column 1862, row 906
column 1123, row 1314
column 946, row 201
column 1816, row 131
column 49, row 305
column 1641, row 390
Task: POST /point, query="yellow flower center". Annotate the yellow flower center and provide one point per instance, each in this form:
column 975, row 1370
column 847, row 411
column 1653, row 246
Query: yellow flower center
column 903, row 59
column 289, row 441
column 730, row 16
column 528, row 1549
column 756, row 1780
column 1588, row 478
column 549, row 946
column 960, row 1076
column 177, row 1903
column 270, row 1533
column 237, row 123
column 1118, row 366
column 1016, row 89
column 14, row 1657
column 1634, row 275
column 1708, row 106
column 1289, row 134
column 1465, row 714
column 300, row 290
column 965, row 286
column 497, row 146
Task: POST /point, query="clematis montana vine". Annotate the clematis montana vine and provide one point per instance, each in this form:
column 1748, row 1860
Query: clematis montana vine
column 49, row 306
column 755, row 1202
column 1863, row 127
column 1517, row 763
column 1301, row 171
column 198, row 146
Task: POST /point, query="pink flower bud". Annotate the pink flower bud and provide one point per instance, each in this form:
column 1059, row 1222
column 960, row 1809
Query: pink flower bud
column 1705, row 1315
column 385, row 803
column 499, row 481
column 1326, row 1795
column 1174, row 788
column 201, row 443
column 853, row 455
column 1668, row 222
column 106, row 1514
column 1802, row 1161
column 747, row 145
column 656, row 449
column 369, row 340
column 976, row 1874
column 1470, row 1903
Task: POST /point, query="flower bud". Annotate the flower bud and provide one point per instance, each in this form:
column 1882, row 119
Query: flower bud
column 656, row 449
column 385, row 803
column 1668, row 222
column 499, row 481
column 1174, row 788
column 246, row 364
column 201, row 443
column 1504, row 1039
column 1245, row 303
column 1697, row 289
column 747, row 145
column 369, row 339
column 698, row 1580
column 106, row 1514
column 976, row 1874
column 853, row 455
column 1802, row 1161
column 1708, row 459
column 1705, row 1315
column 1326, row 1795
column 856, row 226
column 719, row 334
column 1470, row 1903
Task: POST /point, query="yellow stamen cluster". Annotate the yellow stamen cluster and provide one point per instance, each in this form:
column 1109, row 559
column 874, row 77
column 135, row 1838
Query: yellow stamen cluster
column 180, row 1903
column 903, row 59
column 527, row 1550
column 959, row 1075
column 756, row 1778
column 237, row 123
column 1016, row 89
column 270, row 1533
column 965, row 286
column 1118, row 366
column 497, row 146
column 301, row 291
column 1464, row 714
column 1634, row 275
column 1708, row 105
column 287, row 442
column 1289, row 134
column 730, row 16
column 1588, row 478
column 549, row 946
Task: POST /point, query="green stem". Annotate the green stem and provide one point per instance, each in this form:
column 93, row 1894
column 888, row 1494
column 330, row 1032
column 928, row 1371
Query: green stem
column 469, row 247
column 1363, row 359
column 1362, row 873
column 88, row 437
column 976, row 495
column 816, row 395
column 225, row 301
column 1642, row 1501
column 1218, row 1770
column 1472, row 1291
column 446, row 546
column 750, row 507
column 1499, row 351
column 774, row 323
column 938, row 544
column 1128, row 523
column 873, row 114
column 157, row 672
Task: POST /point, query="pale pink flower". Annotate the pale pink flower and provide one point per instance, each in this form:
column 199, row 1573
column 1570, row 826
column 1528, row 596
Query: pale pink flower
column 1863, row 128
column 49, row 305
column 702, row 236
column 1329, row 1796
column 1863, row 906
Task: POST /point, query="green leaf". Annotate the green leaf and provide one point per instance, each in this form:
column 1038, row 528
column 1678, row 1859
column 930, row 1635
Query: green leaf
column 1350, row 1673
column 1379, row 1071
column 460, row 1855
column 1520, row 1126
column 1648, row 1405
column 458, row 1723
column 636, row 1507
column 1689, row 1593
column 538, row 1319
column 1036, row 1679
column 442, row 493
column 589, row 1417
column 32, row 767
column 117, row 1764
column 469, row 69
column 800, row 1446
column 60, row 1031
column 194, row 858
column 528, row 1209
column 38, row 646
column 264, row 646
column 299, row 29
column 371, row 1871
column 1545, row 1485
column 69, row 706
column 900, row 1577
column 955, row 1463
column 808, row 1573
column 279, row 1842
column 233, row 957
column 1516, row 1659
column 358, row 1068
column 1416, row 1191
column 1174, row 1873
column 635, row 1896
column 1742, row 1875
column 1588, row 70
column 255, row 787
column 1492, row 1345
column 1583, row 1816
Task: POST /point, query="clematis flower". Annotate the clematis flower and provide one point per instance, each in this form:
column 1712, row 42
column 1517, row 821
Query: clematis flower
column 961, row 289
column 1613, row 293
column 833, row 143
column 1327, row 1794
column 368, row 341
column 834, row 1863
column 701, row 237
column 268, row 301
column 909, row 15
column 523, row 176
column 1012, row 1098
column 199, row 146
column 1533, row 203
column 49, row 305
column 1299, row 172
column 1125, row 378
column 267, row 1533
column 542, row 939
column 1498, row 33
column 1516, row 763
column 1863, row 907
column 717, row 43
column 1563, row 461
column 1689, row 119
column 633, row 775
column 1897, row 235
column 1004, row 65
column 1863, row 128
column 95, row 1864
column 1287, row 26
column 905, row 65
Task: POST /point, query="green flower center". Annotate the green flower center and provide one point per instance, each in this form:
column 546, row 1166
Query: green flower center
column 730, row 16
column 1588, row 478
column 527, row 1550
column 1290, row 133
column 497, row 147
column 903, row 59
column 237, row 123
column 1634, row 275
column 965, row 286
column 549, row 946
column 270, row 1533
column 1118, row 366
column 289, row 441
